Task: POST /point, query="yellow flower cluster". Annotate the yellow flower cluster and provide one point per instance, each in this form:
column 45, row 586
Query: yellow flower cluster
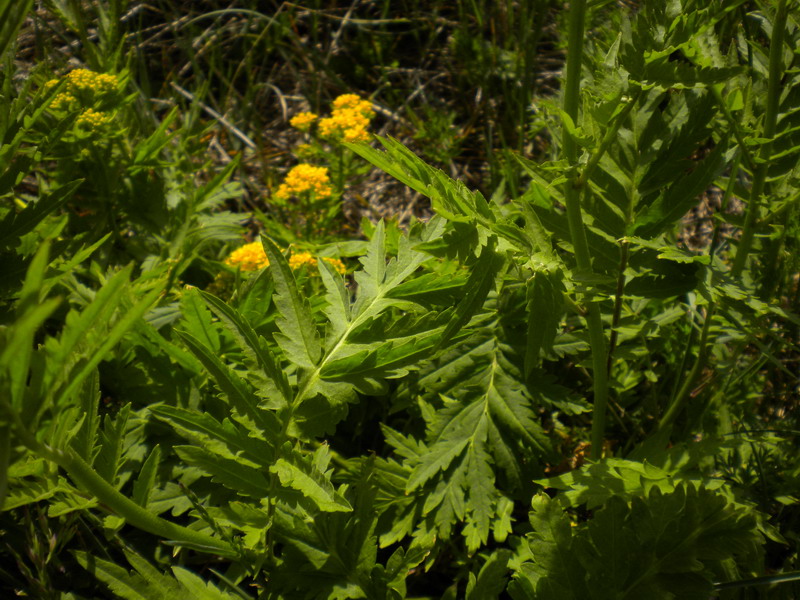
column 63, row 101
column 303, row 120
column 98, row 83
column 84, row 87
column 306, row 259
column 93, row 119
column 349, row 119
column 251, row 257
column 302, row 259
column 305, row 178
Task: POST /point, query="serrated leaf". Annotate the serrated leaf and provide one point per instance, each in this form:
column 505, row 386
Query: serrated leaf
column 681, row 195
column 338, row 309
column 147, row 477
column 298, row 336
column 253, row 346
column 484, row 430
column 233, row 386
column 545, row 306
column 241, row 478
column 131, row 585
column 313, row 484
column 224, row 437
column 199, row 589
column 197, row 320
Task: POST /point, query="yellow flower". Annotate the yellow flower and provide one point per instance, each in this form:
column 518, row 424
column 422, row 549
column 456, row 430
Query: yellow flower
column 349, row 119
column 305, row 178
column 347, row 102
column 349, row 125
column 306, row 259
column 302, row 259
column 303, row 120
column 63, row 100
column 84, row 79
column 93, row 119
column 250, row 257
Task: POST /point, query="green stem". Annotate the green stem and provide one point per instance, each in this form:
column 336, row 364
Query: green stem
column 688, row 383
column 612, row 342
column 770, row 122
column 88, row 479
column 340, row 169
column 572, row 198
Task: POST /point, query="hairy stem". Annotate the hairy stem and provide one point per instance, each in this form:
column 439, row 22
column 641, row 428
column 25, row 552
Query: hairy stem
column 770, row 121
column 572, row 197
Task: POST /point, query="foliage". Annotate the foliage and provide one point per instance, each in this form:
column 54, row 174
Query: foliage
column 549, row 387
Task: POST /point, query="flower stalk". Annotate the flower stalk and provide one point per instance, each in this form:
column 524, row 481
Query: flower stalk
column 572, row 197
column 770, row 123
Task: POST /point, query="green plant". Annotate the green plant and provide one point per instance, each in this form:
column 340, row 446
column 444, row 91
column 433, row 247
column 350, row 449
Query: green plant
column 564, row 389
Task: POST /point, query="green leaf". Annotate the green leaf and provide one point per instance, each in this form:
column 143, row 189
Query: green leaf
column 482, row 278
column 338, row 309
column 112, row 437
column 31, row 312
column 120, row 328
column 253, row 346
column 661, row 545
column 232, row 385
column 199, row 589
column 681, row 196
column 84, row 441
column 311, row 482
column 298, row 336
column 147, row 477
column 223, row 438
column 491, row 580
column 545, row 306
column 233, row 474
column 14, row 226
column 485, row 429
column 147, row 583
column 127, row 585
column 12, row 15
column 678, row 76
column 197, row 320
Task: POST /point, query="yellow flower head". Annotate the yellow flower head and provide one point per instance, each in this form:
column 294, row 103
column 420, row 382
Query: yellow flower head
column 93, row 119
column 63, row 101
column 250, row 257
column 302, row 259
column 303, row 120
column 299, row 260
column 305, row 178
column 349, row 119
column 347, row 125
column 98, row 83
column 347, row 102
